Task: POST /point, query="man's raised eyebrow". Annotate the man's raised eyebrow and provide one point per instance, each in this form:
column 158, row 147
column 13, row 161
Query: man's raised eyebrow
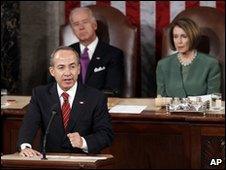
column 73, row 63
column 81, row 21
column 60, row 65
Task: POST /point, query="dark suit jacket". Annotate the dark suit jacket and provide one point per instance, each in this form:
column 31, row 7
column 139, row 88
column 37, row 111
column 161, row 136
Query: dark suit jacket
column 89, row 117
column 105, row 71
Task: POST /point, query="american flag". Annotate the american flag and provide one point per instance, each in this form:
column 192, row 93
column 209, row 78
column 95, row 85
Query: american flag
column 150, row 17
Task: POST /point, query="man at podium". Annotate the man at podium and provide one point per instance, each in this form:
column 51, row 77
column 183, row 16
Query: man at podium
column 73, row 117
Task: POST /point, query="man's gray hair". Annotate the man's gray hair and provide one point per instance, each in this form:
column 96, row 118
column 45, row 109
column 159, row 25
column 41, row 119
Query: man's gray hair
column 78, row 9
column 62, row 48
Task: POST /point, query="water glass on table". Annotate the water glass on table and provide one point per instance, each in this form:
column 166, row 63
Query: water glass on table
column 216, row 102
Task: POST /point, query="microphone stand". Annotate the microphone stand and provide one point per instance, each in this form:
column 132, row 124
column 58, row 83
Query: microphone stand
column 46, row 132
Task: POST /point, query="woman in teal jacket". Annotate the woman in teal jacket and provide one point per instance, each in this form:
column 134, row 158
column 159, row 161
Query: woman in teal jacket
column 187, row 72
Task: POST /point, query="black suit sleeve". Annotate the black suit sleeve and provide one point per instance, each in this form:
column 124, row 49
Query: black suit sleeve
column 115, row 74
column 102, row 134
column 31, row 122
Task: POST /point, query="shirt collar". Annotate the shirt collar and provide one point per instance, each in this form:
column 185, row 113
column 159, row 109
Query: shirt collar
column 71, row 91
column 91, row 47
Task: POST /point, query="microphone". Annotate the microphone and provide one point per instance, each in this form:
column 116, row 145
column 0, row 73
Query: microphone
column 111, row 93
column 54, row 111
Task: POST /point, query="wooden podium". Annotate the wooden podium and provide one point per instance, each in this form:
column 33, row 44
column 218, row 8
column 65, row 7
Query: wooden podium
column 58, row 161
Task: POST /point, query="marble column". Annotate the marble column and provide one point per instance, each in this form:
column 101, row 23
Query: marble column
column 10, row 46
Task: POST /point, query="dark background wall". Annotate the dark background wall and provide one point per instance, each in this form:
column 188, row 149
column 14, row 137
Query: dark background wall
column 30, row 31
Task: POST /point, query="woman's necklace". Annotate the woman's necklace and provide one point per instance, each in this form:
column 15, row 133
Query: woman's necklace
column 185, row 61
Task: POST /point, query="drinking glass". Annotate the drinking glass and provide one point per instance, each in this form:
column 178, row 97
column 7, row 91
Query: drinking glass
column 4, row 92
column 215, row 103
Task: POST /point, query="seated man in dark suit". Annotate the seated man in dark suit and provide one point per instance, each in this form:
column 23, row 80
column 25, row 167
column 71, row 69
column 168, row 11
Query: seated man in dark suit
column 101, row 63
column 82, row 122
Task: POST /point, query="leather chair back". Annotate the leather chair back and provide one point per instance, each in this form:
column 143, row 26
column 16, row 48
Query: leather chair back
column 212, row 24
column 115, row 29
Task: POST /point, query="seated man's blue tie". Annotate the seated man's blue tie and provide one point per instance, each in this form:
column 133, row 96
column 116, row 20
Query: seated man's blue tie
column 84, row 60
